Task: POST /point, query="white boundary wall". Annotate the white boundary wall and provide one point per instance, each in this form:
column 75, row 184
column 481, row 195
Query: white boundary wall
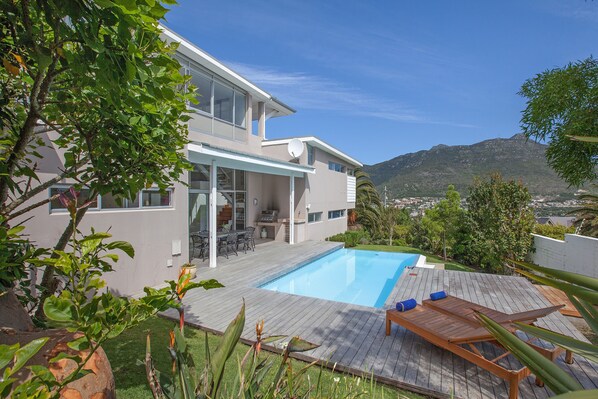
column 578, row 254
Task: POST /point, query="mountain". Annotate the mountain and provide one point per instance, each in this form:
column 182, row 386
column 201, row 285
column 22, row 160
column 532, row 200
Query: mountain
column 428, row 173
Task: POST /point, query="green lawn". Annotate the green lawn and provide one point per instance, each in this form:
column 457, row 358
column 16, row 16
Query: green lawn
column 125, row 351
column 450, row 265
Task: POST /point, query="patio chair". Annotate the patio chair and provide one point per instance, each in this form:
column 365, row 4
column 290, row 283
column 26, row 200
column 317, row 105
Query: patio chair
column 461, row 337
column 229, row 244
column 201, row 244
column 249, row 238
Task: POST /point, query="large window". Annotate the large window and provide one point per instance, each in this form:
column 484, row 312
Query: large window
column 223, row 102
column 240, row 108
column 231, row 196
column 218, row 99
column 151, row 198
column 336, row 214
column 203, row 93
column 83, row 197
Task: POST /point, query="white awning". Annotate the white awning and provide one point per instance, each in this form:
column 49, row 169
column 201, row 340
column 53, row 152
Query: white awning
column 204, row 154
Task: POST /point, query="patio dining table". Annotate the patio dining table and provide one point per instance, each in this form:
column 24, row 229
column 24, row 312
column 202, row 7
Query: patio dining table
column 220, row 234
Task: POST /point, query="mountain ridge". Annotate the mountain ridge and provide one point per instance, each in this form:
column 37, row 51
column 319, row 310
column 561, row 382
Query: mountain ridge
column 429, row 172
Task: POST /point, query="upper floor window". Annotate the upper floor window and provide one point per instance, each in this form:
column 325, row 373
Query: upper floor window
column 351, row 172
column 203, row 93
column 337, row 167
column 217, row 99
column 311, row 154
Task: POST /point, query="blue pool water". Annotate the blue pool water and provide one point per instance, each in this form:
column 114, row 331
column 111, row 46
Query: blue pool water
column 347, row 275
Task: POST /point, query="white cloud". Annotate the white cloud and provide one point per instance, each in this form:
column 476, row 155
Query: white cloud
column 302, row 90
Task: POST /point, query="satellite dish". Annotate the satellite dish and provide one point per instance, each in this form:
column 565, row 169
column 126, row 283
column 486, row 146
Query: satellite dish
column 295, row 148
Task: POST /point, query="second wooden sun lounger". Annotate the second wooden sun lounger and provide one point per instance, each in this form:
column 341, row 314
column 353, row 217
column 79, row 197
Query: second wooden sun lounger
column 459, row 337
column 465, row 310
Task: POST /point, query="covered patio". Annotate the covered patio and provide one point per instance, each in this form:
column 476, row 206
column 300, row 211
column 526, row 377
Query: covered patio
column 230, row 189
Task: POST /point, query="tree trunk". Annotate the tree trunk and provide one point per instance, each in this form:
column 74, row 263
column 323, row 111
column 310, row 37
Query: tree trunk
column 444, row 245
column 48, row 282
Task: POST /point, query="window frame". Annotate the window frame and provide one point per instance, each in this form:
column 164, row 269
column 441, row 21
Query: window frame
column 342, row 214
column 336, row 167
column 318, row 220
column 99, row 208
column 190, row 69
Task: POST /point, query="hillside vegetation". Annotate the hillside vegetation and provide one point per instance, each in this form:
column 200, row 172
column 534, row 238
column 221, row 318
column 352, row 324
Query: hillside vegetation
column 428, row 173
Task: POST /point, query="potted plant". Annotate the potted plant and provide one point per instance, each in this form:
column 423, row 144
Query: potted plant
column 189, row 268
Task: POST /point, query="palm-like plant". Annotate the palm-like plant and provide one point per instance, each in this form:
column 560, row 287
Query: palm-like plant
column 582, row 291
column 587, row 216
column 367, row 203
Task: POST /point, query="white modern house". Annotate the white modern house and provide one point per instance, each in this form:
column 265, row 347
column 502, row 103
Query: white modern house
column 238, row 174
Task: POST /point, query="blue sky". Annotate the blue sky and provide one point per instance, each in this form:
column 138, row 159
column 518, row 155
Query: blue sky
column 379, row 79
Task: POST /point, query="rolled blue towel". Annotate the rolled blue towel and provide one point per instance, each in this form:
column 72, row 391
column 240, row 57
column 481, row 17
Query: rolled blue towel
column 406, row 305
column 437, row 295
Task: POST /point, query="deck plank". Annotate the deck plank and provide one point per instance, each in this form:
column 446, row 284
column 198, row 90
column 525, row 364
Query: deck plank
column 354, row 336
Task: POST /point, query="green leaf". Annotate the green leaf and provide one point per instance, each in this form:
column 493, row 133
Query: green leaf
column 205, row 284
column 225, row 349
column 297, row 344
column 79, row 344
column 6, row 354
column 58, row 309
column 123, row 246
column 587, row 310
column 273, row 338
column 585, row 139
column 589, row 295
column 27, row 352
column 574, row 278
column 556, row 379
column 586, row 394
column 581, row 348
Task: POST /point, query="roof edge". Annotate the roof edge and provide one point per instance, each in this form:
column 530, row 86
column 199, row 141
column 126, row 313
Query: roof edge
column 317, row 143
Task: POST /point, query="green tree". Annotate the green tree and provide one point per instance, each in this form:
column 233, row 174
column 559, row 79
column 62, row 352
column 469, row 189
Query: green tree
column 499, row 222
column 367, row 202
column 562, row 104
column 443, row 220
column 390, row 217
column 95, row 81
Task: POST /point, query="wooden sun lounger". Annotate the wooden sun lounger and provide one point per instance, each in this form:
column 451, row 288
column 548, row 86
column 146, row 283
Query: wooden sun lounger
column 459, row 337
column 453, row 326
column 465, row 310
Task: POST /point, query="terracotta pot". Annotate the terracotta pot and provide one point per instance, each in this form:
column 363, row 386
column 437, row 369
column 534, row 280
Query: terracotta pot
column 96, row 385
column 192, row 270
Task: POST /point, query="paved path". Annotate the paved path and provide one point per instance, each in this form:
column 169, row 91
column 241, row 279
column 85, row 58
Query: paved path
column 353, row 336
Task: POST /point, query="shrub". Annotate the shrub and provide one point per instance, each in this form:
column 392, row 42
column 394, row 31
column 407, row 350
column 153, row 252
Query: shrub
column 557, row 232
column 351, row 238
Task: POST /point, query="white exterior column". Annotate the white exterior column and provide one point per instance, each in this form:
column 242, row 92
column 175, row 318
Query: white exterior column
column 261, row 123
column 292, row 210
column 213, row 214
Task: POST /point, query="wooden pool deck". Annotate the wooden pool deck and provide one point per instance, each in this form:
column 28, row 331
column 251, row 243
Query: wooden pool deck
column 354, row 337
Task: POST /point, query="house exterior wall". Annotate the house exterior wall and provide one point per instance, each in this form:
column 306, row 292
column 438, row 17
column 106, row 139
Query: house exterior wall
column 324, row 191
column 155, row 232
column 578, row 254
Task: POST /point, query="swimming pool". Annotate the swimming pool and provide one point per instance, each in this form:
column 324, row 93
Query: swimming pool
column 347, row 275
